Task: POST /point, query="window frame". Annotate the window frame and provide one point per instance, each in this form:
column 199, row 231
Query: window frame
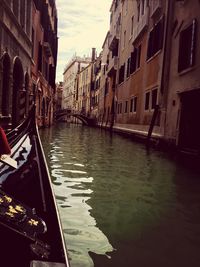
column 155, row 39
column 152, row 101
column 187, row 53
column 133, row 104
column 126, row 107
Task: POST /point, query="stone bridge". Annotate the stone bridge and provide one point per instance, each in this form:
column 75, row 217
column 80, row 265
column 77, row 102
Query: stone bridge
column 58, row 115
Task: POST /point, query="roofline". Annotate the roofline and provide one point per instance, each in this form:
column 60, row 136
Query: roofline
column 74, row 60
column 111, row 5
column 105, row 39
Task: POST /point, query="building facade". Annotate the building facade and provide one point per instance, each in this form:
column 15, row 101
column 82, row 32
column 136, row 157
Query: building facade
column 15, row 61
column 95, row 87
column 44, row 40
column 28, row 55
column 140, row 65
column 84, row 90
column 183, row 86
column 113, row 62
column 69, row 81
column 147, row 77
column 103, row 82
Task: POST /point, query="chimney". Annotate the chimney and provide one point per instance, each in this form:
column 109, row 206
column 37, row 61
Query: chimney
column 93, row 54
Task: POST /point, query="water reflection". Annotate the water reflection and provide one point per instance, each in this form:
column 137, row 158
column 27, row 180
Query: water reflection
column 72, row 184
column 120, row 205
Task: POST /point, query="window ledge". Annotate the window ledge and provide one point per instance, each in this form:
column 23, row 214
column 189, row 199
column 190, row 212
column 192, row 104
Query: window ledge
column 135, row 71
column 149, row 110
column 121, row 83
column 186, row 70
column 155, row 55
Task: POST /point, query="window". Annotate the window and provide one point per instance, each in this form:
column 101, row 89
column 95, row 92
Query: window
column 39, row 57
column 135, row 59
column 147, row 98
column 142, row 7
column 132, row 21
column 124, row 39
column 155, row 41
column 16, row 8
column 187, row 43
column 138, row 11
column 115, row 50
column 154, row 98
column 33, row 42
column 128, row 67
column 119, row 108
column 121, row 73
column 22, row 13
column 151, row 99
column 138, row 57
column 28, row 15
column 116, row 4
column 126, row 107
column 126, row 7
column 133, row 104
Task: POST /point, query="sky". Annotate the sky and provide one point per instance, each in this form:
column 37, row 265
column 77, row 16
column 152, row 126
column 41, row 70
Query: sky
column 82, row 24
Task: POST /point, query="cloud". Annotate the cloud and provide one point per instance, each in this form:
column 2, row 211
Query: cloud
column 82, row 24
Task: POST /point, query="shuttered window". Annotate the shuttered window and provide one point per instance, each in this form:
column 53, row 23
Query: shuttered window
column 187, row 43
column 155, row 41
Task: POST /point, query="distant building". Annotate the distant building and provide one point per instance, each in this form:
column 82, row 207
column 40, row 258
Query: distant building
column 69, row 80
column 45, row 43
column 103, row 91
column 141, row 52
column 113, row 62
column 95, row 88
column 182, row 76
column 15, row 61
column 58, row 96
column 84, row 90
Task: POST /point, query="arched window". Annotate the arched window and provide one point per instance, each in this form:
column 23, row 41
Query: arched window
column 18, row 78
column 26, row 87
column 5, row 85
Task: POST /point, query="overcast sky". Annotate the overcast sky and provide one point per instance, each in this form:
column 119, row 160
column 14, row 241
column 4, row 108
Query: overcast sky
column 82, row 24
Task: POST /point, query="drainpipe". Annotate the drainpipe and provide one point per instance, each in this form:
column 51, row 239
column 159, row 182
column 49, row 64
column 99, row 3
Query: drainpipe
column 91, row 79
column 166, row 59
column 115, row 98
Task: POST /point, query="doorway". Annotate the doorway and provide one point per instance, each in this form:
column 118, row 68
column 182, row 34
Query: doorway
column 189, row 131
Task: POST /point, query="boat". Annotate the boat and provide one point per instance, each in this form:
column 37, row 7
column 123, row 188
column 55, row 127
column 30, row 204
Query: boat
column 30, row 226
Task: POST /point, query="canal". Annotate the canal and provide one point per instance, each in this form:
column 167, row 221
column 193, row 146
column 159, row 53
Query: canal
column 121, row 205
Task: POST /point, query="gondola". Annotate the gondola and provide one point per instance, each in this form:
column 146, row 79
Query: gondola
column 30, row 228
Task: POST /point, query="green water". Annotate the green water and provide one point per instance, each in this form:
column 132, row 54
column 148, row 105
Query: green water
column 121, row 205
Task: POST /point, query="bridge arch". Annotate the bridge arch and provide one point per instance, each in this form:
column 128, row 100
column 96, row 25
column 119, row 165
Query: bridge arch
column 85, row 120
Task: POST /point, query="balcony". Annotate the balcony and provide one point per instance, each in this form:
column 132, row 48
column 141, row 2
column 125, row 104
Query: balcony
column 155, row 7
column 114, row 39
column 47, row 49
column 141, row 25
column 112, row 67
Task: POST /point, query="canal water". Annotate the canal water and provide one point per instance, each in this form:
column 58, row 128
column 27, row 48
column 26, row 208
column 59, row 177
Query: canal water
column 121, row 205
